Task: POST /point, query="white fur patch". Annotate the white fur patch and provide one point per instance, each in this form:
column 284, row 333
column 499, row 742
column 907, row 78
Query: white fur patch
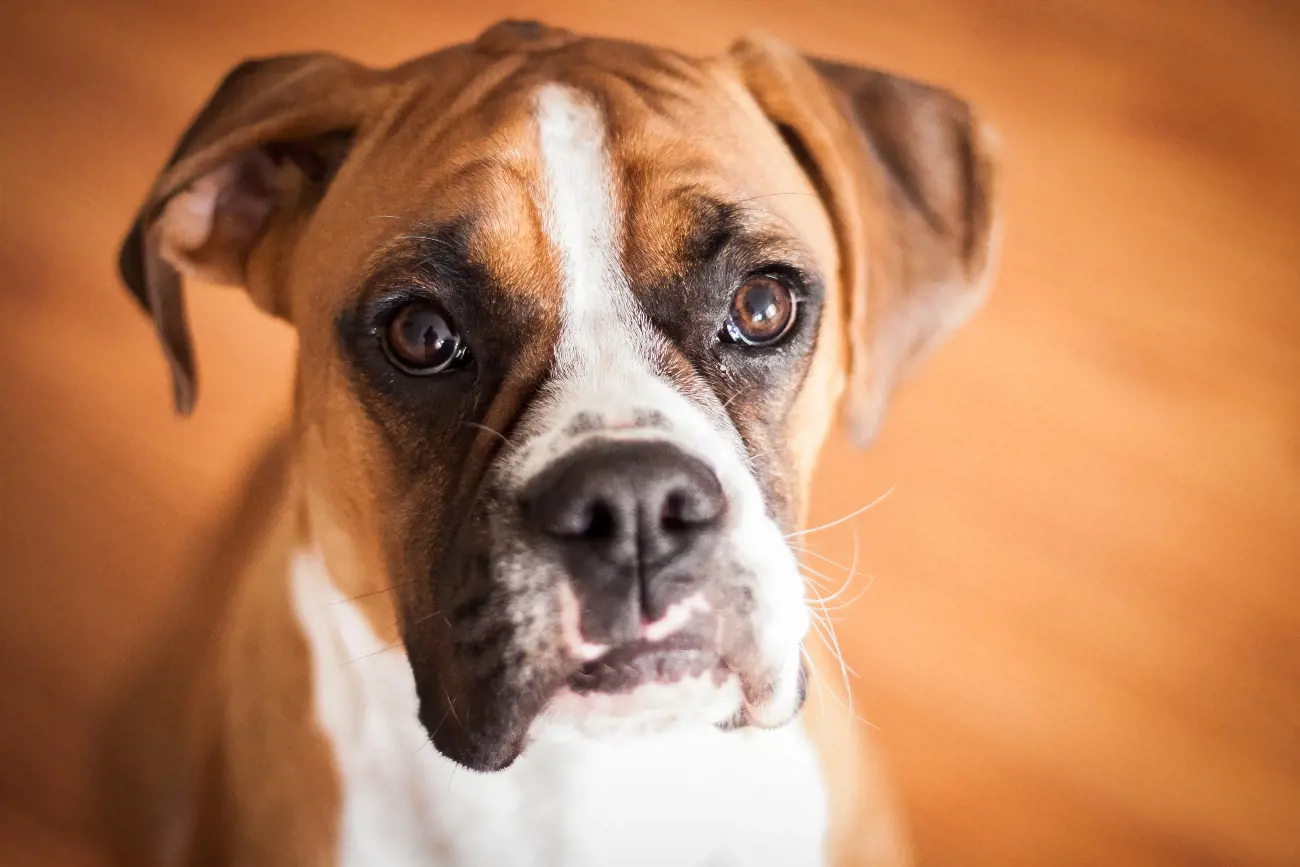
column 689, row 797
column 581, row 218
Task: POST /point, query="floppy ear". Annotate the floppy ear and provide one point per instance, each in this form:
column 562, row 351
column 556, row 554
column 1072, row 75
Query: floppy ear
column 253, row 160
column 906, row 172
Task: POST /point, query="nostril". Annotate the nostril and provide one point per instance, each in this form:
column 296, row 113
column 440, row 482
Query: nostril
column 579, row 520
column 602, row 525
column 687, row 509
column 673, row 514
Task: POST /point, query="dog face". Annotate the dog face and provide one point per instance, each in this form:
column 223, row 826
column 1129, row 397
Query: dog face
column 573, row 316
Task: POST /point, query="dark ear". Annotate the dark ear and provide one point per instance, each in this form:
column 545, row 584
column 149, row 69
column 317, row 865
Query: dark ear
column 907, row 173
column 253, row 159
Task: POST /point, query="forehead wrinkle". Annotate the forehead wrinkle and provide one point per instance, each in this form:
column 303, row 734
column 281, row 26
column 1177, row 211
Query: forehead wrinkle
column 439, row 105
column 510, row 238
column 495, row 225
column 696, row 230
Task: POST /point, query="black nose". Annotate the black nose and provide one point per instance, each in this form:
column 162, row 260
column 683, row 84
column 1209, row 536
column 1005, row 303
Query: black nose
column 635, row 522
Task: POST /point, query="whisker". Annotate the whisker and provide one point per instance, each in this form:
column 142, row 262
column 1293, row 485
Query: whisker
column 823, row 685
column 813, row 581
column 817, row 681
column 821, row 598
column 824, row 626
column 834, row 646
column 394, row 628
column 847, row 517
column 846, row 603
column 848, row 581
column 803, row 566
column 839, row 656
column 370, row 593
column 853, row 573
column 425, row 617
column 822, row 557
column 837, row 592
column 438, row 727
column 370, row 654
column 451, row 705
column 495, row 433
column 769, row 196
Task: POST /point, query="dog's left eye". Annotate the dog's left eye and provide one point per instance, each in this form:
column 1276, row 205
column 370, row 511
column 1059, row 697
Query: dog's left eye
column 762, row 312
column 422, row 340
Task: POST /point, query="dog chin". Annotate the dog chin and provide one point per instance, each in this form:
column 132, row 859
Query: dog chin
column 714, row 698
column 709, row 698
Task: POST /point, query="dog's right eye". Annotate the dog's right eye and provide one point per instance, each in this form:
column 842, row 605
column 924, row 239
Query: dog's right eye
column 421, row 340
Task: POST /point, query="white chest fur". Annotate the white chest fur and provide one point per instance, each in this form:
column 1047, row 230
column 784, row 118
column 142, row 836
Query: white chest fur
column 690, row 798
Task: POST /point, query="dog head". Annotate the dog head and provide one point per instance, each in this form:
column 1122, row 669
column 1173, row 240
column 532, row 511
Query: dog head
column 574, row 316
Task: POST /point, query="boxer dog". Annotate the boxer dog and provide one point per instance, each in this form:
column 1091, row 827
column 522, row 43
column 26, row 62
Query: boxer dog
column 574, row 317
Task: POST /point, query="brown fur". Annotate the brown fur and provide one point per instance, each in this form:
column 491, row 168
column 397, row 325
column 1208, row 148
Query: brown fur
column 892, row 208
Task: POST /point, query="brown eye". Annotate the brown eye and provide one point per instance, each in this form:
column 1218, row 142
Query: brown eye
column 762, row 312
column 421, row 340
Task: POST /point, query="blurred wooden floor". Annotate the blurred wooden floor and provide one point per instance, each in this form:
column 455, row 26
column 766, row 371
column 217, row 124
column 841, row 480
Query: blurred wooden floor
column 1081, row 641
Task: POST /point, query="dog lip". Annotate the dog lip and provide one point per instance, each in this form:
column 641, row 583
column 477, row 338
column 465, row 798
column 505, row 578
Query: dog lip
column 631, row 665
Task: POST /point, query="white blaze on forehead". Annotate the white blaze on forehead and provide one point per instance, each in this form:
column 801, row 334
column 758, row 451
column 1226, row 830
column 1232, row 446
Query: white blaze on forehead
column 601, row 326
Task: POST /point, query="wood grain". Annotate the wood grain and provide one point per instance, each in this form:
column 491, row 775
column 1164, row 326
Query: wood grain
column 1079, row 635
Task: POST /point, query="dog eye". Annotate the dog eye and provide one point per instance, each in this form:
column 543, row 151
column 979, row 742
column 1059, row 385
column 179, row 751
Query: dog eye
column 422, row 340
column 762, row 312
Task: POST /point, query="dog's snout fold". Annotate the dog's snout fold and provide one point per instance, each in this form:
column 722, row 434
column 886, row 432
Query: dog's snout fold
column 634, row 523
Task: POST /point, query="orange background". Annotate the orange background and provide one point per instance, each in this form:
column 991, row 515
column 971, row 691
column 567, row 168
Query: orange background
column 1081, row 638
